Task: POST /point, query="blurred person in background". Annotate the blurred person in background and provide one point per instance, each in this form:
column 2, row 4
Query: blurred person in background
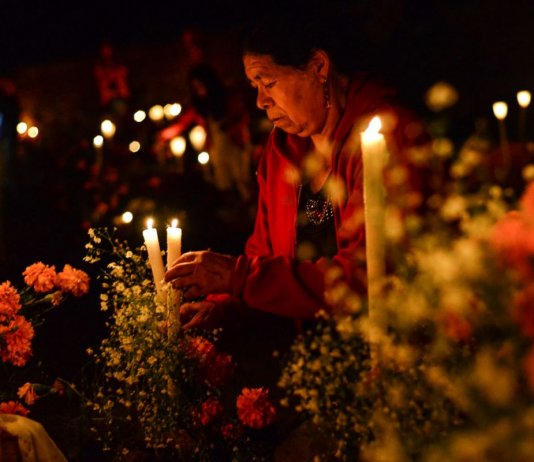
column 222, row 113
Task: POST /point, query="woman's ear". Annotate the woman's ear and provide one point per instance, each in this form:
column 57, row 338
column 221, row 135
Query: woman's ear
column 320, row 64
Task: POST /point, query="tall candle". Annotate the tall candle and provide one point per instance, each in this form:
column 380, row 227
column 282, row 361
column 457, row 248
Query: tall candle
column 374, row 156
column 150, row 234
column 174, row 242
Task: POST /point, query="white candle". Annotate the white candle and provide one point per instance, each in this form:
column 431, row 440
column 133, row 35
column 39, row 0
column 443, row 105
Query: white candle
column 154, row 256
column 174, row 242
column 374, row 157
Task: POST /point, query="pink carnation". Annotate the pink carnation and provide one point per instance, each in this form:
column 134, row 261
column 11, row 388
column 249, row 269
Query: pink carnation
column 73, row 281
column 40, row 276
column 9, row 301
column 16, row 341
column 12, row 407
column 254, row 408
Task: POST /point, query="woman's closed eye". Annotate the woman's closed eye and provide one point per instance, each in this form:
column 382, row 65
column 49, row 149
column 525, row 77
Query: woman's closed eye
column 269, row 84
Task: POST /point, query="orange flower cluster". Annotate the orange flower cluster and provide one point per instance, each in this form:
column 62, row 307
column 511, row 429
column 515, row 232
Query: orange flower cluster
column 12, row 407
column 254, row 408
column 9, row 301
column 43, row 278
column 513, row 238
column 15, row 340
column 16, row 332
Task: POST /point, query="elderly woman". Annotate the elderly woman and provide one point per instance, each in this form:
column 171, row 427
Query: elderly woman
column 310, row 203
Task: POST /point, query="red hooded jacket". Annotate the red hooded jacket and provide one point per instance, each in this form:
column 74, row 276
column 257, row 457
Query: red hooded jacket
column 268, row 277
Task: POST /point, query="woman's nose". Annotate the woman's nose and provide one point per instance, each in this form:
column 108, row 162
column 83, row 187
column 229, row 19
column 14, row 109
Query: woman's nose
column 263, row 101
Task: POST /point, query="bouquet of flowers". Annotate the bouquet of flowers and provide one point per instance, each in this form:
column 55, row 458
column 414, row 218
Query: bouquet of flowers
column 160, row 388
column 453, row 373
column 21, row 310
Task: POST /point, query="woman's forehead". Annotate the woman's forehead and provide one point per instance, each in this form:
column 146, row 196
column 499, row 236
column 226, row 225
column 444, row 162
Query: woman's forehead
column 261, row 66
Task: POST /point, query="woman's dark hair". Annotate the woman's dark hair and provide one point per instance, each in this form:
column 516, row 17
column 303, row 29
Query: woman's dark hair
column 291, row 37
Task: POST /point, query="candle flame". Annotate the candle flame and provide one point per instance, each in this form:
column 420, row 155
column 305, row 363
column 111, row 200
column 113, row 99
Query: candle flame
column 174, row 223
column 127, row 217
column 374, row 126
column 149, row 223
column 523, row 98
column 500, row 109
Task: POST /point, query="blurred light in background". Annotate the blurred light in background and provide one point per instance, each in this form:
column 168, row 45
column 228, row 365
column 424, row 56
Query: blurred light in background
column 108, row 128
column 127, row 217
column 500, row 109
column 156, row 113
column 134, row 146
column 98, row 141
column 197, row 136
column 139, row 116
column 177, row 145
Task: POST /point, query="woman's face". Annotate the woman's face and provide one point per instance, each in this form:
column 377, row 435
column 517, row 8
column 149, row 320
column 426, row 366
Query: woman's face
column 292, row 98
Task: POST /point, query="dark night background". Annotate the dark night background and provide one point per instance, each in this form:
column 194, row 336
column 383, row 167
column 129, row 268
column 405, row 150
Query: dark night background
column 482, row 47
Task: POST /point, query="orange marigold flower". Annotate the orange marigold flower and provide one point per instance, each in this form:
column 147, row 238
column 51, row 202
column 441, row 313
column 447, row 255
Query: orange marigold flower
column 9, row 301
column 40, row 276
column 528, row 365
column 13, row 407
column 16, row 341
column 73, row 280
column 254, row 408
column 27, row 393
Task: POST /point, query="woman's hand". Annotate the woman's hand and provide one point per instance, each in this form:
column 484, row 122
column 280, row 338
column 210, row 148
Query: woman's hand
column 201, row 273
column 202, row 315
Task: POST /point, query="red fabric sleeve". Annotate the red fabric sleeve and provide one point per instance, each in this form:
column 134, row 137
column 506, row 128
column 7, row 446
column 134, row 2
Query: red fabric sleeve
column 279, row 285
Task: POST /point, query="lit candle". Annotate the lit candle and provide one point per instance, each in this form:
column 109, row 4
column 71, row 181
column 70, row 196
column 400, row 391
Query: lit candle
column 374, row 157
column 500, row 110
column 150, row 235
column 108, row 128
column 174, row 242
column 523, row 99
column 197, row 136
